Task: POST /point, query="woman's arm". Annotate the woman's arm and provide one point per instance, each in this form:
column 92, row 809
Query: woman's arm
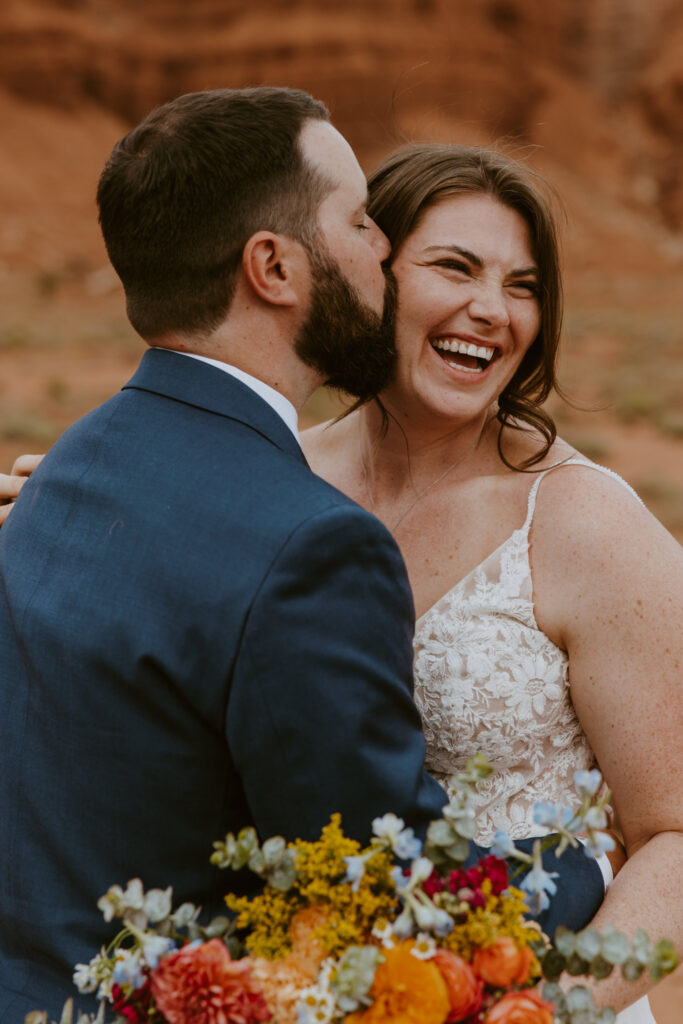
column 11, row 484
column 609, row 589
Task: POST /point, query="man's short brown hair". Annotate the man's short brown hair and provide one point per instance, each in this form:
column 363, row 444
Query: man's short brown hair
column 183, row 192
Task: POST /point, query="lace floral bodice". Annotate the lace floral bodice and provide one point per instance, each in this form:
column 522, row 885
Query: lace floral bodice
column 488, row 679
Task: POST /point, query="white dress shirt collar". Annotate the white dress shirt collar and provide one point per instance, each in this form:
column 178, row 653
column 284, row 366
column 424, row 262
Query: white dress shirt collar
column 281, row 405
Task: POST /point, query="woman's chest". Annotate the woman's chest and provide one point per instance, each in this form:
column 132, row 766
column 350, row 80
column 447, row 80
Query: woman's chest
column 453, row 535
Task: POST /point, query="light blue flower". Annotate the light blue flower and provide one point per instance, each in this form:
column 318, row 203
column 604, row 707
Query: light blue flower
column 587, row 783
column 127, row 969
column 355, row 869
column 398, row 878
column 598, row 843
column 443, row 923
column 154, row 947
column 545, row 813
column 537, row 902
column 595, row 817
column 403, row 842
column 407, row 845
column 502, row 846
column 539, row 880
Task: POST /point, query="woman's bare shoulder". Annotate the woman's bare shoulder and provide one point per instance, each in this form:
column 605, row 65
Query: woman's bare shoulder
column 588, row 515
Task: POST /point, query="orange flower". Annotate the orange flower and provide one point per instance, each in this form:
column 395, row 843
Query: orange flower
column 280, row 980
column 406, row 991
column 307, row 952
column 502, row 964
column 521, row 1008
column 202, row 985
column 464, row 988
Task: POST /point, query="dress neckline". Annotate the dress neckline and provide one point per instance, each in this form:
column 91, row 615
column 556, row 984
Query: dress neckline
column 463, row 579
column 521, row 530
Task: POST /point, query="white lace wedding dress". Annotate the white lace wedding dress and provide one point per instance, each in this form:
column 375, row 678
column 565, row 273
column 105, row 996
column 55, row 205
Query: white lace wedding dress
column 488, row 679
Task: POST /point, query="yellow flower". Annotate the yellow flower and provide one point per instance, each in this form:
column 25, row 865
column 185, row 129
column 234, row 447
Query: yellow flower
column 320, row 871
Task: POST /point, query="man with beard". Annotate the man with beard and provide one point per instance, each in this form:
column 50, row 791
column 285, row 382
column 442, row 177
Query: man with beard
column 196, row 633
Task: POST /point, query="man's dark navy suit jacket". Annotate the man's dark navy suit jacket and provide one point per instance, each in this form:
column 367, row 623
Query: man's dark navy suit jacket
column 196, row 634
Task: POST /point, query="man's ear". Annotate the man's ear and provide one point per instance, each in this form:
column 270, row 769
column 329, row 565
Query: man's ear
column 276, row 268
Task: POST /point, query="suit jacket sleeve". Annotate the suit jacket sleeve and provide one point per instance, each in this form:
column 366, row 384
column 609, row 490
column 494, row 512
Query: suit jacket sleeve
column 320, row 716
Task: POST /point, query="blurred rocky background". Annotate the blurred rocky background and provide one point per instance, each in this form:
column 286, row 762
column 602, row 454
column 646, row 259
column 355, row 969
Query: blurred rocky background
column 589, row 92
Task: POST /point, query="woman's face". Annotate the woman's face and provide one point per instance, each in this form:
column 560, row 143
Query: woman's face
column 468, row 307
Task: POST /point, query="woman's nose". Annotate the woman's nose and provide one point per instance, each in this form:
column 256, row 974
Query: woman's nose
column 489, row 303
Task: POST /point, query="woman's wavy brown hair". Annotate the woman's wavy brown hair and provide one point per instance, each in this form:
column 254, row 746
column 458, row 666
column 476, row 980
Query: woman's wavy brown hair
column 418, row 177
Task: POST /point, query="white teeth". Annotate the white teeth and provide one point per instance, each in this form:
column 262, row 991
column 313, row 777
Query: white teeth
column 464, row 348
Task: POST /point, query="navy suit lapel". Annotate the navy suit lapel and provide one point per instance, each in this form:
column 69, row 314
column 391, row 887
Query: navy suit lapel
column 173, row 375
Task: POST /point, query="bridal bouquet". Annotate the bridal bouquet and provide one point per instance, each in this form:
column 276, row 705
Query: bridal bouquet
column 340, row 933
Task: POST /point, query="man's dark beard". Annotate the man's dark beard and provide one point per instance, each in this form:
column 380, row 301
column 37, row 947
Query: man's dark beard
column 343, row 338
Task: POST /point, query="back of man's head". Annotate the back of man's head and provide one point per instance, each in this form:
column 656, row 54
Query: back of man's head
column 183, row 192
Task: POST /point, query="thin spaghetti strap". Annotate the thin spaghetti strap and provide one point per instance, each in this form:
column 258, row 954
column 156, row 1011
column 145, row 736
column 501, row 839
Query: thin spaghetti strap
column 572, row 462
column 531, row 504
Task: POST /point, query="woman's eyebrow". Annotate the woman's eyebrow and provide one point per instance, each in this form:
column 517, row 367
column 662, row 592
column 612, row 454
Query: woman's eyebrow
column 461, row 252
column 525, row 272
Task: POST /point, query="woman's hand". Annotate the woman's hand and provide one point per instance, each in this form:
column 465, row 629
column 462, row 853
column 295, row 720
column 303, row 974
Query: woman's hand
column 11, row 484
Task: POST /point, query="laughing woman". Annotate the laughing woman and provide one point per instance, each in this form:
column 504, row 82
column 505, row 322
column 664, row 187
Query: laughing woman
column 549, row 600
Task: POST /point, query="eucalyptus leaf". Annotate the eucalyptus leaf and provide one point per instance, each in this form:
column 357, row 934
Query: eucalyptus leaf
column 458, row 851
column 283, row 876
column 553, row 993
column 576, row 965
column 606, row 1016
column 588, row 943
column 256, row 862
column 641, row 947
column 600, row 967
column 632, row 969
column 273, row 850
column 158, row 904
column 565, row 941
column 247, row 838
column 224, row 852
column 185, row 913
column 217, row 927
column 553, row 964
column 466, row 827
column 667, row 958
column 440, row 833
column 615, row 947
column 579, row 998
column 581, row 1017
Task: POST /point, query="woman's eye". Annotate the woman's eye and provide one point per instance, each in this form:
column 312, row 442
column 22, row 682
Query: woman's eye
column 524, row 288
column 363, row 227
column 454, row 265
